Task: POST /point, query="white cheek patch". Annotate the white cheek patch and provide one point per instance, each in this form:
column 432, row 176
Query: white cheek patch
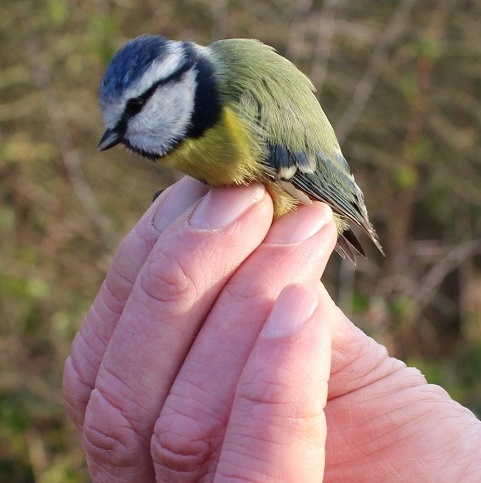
column 165, row 119
column 112, row 110
column 111, row 114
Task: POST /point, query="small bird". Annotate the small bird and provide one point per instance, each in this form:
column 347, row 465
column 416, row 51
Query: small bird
column 231, row 113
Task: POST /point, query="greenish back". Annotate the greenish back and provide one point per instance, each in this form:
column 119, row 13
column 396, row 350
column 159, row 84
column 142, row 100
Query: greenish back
column 276, row 102
column 280, row 102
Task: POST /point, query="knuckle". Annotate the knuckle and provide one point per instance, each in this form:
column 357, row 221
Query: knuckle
column 107, row 448
column 78, row 378
column 73, row 389
column 169, row 279
column 262, row 393
column 108, row 436
column 180, row 446
column 117, row 289
column 241, row 292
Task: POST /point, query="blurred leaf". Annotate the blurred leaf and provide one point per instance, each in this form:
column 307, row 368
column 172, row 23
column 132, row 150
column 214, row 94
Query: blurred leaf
column 415, row 91
column 428, row 47
column 406, row 177
column 358, row 303
column 409, row 84
column 58, row 11
column 7, row 218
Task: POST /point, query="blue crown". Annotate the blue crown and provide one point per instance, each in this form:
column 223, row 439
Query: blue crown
column 130, row 63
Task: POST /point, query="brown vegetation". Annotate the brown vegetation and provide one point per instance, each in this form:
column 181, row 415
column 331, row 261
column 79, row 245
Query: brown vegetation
column 401, row 83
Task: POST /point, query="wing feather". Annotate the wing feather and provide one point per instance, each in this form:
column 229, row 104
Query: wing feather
column 280, row 110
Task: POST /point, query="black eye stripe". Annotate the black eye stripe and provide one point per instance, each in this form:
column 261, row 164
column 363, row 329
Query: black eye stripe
column 186, row 66
column 136, row 104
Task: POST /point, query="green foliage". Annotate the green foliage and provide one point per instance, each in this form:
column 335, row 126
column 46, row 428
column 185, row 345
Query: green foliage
column 401, row 85
column 429, row 47
column 458, row 373
column 57, row 12
column 405, row 177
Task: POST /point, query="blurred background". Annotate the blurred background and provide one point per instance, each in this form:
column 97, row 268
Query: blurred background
column 401, row 84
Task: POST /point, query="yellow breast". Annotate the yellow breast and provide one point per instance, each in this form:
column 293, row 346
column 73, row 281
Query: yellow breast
column 227, row 154
column 224, row 155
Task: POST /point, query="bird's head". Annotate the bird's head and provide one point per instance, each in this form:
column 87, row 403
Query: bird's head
column 155, row 93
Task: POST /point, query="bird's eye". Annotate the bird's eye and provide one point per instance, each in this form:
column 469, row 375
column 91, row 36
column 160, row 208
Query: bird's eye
column 134, row 105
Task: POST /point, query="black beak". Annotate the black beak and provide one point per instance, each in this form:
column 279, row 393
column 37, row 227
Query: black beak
column 109, row 139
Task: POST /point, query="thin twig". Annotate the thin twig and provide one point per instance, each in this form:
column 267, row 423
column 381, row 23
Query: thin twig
column 58, row 120
column 425, row 290
column 297, row 28
column 379, row 58
column 220, row 19
column 322, row 49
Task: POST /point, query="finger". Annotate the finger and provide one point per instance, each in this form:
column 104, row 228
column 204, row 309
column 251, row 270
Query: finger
column 89, row 345
column 277, row 428
column 157, row 194
column 296, row 249
column 171, row 297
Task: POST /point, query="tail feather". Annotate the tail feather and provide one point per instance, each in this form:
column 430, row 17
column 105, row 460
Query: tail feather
column 344, row 250
column 352, row 239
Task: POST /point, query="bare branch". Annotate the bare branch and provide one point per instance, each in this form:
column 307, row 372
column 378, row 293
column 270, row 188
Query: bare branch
column 322, row 49
column 364, row 88
column 425, row 290
column 61, row 132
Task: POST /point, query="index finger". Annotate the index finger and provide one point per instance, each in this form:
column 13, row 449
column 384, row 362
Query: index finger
column 171, row 297
column 88, row 347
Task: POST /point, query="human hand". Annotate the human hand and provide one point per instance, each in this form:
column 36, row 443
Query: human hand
column 175, row 375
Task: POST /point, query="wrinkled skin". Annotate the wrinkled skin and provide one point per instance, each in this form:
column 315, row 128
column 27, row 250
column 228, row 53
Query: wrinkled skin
column 213, row 352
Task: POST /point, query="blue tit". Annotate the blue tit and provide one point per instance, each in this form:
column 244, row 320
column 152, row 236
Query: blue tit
column 228, row 114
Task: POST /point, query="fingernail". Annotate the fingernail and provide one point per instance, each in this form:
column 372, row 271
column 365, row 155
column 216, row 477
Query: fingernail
column 294, row 306
column 222, row 206
column 177, row 200
column 300, row 224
